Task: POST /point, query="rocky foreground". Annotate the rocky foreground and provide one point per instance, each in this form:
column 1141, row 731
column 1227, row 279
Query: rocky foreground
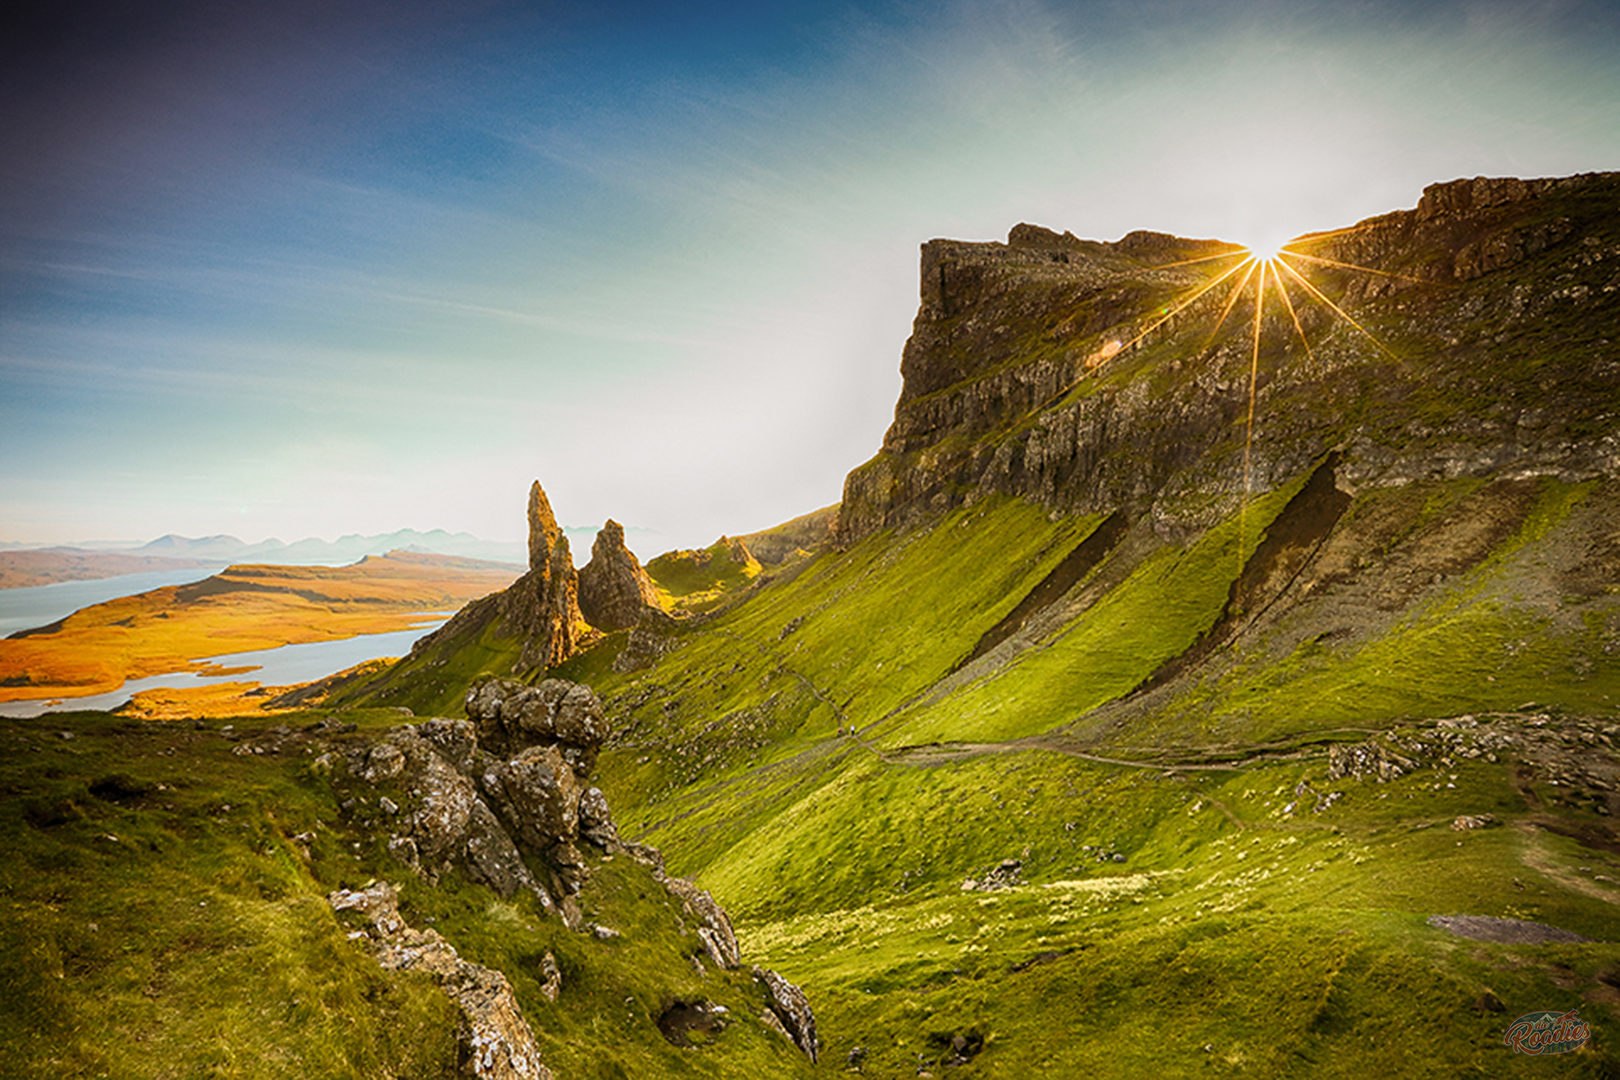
column 505, row 798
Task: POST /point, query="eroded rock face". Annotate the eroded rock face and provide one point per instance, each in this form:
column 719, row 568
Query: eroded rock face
column 715, row 930
column 504, row 796
column 498, row 794
column 614, row 591
column 496, row 1040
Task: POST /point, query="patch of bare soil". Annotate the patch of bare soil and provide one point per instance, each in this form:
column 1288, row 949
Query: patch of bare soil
column 1507, row 931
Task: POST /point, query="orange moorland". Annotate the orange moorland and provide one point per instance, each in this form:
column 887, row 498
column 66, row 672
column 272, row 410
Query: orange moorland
column 241, row 609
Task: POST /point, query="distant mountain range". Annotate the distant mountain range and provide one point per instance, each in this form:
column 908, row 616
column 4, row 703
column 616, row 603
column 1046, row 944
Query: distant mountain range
column 29, row 564
column 225, row 548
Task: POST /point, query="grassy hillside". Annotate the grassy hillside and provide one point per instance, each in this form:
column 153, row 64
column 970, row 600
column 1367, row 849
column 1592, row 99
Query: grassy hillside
column 1237, row 916
column 165, row 895
column 1214, row 704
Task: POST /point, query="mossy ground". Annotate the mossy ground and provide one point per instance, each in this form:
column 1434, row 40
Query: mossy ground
column 164, row 918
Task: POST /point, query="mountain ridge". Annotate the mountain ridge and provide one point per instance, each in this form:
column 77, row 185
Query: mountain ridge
column 1044, row 369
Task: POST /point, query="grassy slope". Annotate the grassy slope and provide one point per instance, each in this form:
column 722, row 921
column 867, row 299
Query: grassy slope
column 843, row 858
column 1236, row 935
column 160, row 920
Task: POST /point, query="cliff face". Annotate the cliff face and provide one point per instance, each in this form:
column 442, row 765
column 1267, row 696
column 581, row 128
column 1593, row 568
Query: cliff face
column 1470, row 336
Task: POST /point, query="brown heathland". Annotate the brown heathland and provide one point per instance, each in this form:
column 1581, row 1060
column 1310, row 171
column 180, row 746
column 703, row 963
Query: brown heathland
column 241, row 609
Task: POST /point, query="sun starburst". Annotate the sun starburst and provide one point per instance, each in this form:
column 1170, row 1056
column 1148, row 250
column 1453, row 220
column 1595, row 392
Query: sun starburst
column 1268, row 270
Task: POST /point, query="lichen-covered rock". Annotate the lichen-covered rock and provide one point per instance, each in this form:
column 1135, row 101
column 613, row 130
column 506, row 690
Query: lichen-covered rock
column 596, row 820
column 1370, row 758
column 511, row 716
column 792, row 1008
column 715, row 930
column 497, row 794
column 551, row 979
column 537, row 795
column 444, row 821
column 512, row 820
column 495, row 1038
column 614, row 591
column 455, row 740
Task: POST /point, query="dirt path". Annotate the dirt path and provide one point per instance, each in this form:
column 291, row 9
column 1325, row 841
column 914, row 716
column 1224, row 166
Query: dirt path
column 1535, row 855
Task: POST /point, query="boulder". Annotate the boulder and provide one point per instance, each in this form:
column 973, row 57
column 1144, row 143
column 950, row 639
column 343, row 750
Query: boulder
column 537, row 795
column 595, row 820
column 715, row 932
column 498, row 794
column 511, row 716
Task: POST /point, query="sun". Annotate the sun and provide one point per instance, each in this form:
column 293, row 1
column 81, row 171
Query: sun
column 1266, row 251
column 1269, row 268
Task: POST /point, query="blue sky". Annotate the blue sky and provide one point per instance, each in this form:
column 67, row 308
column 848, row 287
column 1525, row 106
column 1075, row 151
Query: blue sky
column 312, row 269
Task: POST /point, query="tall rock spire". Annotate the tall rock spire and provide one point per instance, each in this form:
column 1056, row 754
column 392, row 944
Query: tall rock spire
column 543, row 605
column 543, row 529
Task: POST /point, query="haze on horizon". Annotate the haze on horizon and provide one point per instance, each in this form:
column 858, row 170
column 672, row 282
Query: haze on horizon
column 297, row 270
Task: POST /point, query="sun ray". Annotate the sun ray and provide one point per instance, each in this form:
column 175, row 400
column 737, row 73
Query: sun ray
column 1234, row 253
column 1183, row 306
column 1231, row 301
column 1288, row 302
column 1314, row 291
column 1248, row 427
column 1354, row 266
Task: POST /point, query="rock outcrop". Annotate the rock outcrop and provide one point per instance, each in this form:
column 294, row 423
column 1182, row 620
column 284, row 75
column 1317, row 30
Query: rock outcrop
column 801, row 535
column 615, row 593
column 541, row 607
column 715, row 930
column 503, row 795
column 791, row 1009
column 1083, row 376
column 496, row 1041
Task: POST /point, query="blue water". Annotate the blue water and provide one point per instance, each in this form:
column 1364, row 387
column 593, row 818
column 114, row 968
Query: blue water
column 284, row 666
column 41, row 605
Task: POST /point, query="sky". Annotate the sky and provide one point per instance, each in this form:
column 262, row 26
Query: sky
column 319, row 268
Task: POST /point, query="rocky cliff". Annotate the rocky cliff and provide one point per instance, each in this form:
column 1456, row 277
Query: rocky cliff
column 539, row 612
column 1470, row 336
column 543, row 605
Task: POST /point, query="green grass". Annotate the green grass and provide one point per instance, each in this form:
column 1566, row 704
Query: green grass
column 1476, row 646
column 161, row 920
column 1156, row 614
column 434, row 681
column 1291, row 944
